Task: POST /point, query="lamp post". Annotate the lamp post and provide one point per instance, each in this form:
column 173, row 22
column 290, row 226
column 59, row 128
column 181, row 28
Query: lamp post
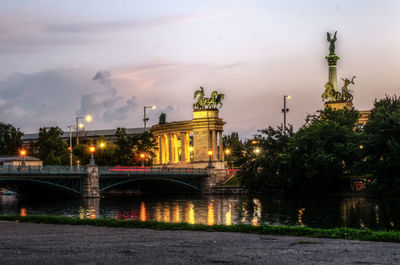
column 285, row 110
column 92, row 149
column 145, row 119
column 88, row 118
column 210, row 153
column 142, row 156
column 227, row 155
column 70, row 144
column 22, row 153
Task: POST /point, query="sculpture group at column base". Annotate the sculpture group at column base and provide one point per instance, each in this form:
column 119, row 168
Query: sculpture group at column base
column 338, row 105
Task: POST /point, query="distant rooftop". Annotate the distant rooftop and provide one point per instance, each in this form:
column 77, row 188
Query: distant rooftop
column 91, row 134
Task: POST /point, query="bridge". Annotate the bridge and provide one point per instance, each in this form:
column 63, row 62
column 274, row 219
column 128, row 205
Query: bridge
column 92, row 180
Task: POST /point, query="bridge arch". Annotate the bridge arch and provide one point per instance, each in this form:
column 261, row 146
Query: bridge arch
column 107, row 186
column 70, row 189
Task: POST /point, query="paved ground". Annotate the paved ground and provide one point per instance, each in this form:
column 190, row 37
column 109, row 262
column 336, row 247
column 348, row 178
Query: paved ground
column 24, row 243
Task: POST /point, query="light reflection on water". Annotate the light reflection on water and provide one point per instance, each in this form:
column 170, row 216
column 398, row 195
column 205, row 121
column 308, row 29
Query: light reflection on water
column 210, row 210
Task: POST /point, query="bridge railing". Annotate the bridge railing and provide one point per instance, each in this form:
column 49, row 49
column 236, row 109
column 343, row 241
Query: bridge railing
column 121, row 170
column 42, row 170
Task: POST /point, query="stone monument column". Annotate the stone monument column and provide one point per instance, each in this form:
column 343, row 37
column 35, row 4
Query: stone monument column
column 215, row 145
column 160, row 149
column 170, row 149
column 221, row 147
column 332, row 62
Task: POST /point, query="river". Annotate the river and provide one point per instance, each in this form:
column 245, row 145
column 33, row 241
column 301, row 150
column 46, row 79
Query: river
column 325, row 212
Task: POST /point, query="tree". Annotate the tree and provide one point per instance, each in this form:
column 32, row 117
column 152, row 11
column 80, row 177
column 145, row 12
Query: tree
column 10, row 139
column 50, row 146
column 382, row 145
column 323, row 151
column 263, row 165
column 129, row 148
column 235, row 146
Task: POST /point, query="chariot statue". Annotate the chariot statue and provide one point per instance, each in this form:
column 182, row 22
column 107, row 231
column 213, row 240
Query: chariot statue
column 212, row 103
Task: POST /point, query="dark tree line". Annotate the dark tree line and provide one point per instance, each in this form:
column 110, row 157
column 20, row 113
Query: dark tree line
column 327, row 149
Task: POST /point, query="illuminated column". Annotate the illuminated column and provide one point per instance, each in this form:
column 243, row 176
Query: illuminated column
column 176, row 154
column 183, row 146
column 164, row 157
column 221, row 148
column 170, row 149
column 160, row 149
column 215, row 145
column 187, row 146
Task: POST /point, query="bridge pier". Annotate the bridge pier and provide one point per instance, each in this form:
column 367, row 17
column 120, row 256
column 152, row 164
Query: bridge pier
column 90, row 182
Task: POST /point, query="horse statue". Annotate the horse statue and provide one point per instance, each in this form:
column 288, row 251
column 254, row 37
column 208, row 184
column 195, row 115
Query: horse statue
column 347, row 93
column 330, row 93
column 215, row 100
column 202, row 103
column 201, row 99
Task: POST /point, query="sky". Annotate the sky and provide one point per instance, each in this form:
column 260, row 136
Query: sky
column 63, row 59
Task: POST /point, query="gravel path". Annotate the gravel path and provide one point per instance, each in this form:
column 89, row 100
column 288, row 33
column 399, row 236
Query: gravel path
column 26, row 243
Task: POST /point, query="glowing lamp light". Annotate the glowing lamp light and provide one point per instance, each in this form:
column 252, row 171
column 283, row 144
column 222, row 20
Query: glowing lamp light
column 153, row 107
column 210, row 153
column 227, row 151
column 190, row 149
column 81, row 125
column 361, row 146
column 22, row 152
column 102, row 145
column 288, row 97
column 142, row 155
column 92, row 149
column 257, row 150
column 69, row 148
column 88, row 118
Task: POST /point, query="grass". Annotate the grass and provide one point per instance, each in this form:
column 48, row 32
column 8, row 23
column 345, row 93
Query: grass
column 337, row 233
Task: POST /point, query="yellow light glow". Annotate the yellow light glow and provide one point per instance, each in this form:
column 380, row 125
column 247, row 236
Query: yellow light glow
column 22, row 152
column 190, row 149
column 210, row 153
column 228, row 216
column 257, row 150
column 92, row 149
column 288, row 97
column 81, row 125
column 88, row 118
column 143, row 216
column 210, row 214
column 142, row 155
column 361, row 146
column 153, row 107
column 102, row 145
column 227, row 151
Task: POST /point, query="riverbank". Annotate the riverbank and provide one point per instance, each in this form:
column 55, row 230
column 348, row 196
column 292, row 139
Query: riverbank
column 30, row 243
column 336, row 233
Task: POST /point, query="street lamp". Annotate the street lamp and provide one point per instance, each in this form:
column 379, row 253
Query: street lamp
column 142, row 156
column 22, row 153
column 285, row 110
column 227, row 154
column 92, row 149
column 210, row 153
column 257, row 150
column 88, row 118
column 145, row 119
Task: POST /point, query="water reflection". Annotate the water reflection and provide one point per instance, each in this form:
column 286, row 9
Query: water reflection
column 210, row 210
column 210, row 213
column 189, row 218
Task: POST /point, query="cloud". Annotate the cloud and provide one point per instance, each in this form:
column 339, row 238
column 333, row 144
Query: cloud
column 112, row 26
column 104, row 102
column 32, row 32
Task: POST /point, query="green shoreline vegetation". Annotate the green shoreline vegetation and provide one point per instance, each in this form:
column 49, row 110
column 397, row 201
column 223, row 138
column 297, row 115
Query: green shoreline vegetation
column 334, row 233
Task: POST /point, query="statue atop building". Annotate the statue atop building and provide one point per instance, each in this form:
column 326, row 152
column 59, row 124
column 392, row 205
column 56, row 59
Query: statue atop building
column 212, row 103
